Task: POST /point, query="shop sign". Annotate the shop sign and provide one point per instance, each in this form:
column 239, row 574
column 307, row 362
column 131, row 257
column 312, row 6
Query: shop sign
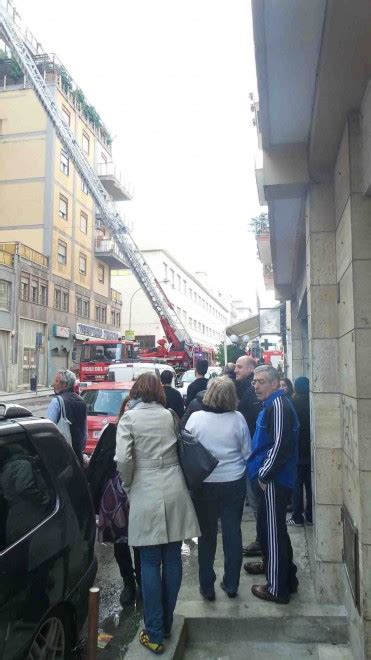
column 95, row 333
column 61, row 331
column 130, row 335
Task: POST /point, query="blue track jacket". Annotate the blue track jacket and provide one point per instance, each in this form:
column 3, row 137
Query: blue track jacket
column 275, row 443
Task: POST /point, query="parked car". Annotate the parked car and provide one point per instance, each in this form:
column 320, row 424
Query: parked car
column 132, row 371
column 47, row 534
column 103, row 401
column 189, row 376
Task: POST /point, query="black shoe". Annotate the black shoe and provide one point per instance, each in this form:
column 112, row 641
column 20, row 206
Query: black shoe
column 127, row 595
column 252, row 550
column 230, row 594
column 294, row 586
column 210, row 597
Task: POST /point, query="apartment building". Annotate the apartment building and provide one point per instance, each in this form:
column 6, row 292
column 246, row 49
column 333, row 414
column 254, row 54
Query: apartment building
column 204, row 315
column 46, row 205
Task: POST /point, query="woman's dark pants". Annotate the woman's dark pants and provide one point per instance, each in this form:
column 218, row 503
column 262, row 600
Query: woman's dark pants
column 222, row 501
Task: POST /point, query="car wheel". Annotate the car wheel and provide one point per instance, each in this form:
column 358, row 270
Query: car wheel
column 52, row 640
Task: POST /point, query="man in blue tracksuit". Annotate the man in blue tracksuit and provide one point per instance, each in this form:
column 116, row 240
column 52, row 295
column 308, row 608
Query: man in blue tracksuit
column 272, row 470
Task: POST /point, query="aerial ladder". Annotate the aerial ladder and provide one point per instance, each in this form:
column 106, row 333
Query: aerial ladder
column 15, row 36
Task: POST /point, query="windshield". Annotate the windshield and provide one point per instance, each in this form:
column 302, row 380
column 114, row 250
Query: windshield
column 104, row 402
column 188, row 376
column 115, row 352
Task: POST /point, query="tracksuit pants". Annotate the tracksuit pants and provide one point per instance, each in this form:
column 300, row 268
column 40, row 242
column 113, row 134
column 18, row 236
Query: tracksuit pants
column 275, row 542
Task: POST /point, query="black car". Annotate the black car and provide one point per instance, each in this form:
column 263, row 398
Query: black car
column 47, row 533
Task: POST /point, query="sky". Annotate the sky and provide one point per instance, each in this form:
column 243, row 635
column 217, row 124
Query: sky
column 171, row 80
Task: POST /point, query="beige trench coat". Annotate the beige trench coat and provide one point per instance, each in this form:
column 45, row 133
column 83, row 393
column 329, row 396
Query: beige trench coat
column 161, row 510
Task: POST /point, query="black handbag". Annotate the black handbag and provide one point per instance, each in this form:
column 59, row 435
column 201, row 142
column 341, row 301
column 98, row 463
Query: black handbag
column 196, row 461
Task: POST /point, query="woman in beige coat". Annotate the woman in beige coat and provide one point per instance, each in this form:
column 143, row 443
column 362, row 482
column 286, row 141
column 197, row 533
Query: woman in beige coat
column 161, row 511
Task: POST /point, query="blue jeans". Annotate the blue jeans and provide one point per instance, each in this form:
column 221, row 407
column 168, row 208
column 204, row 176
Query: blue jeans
column 303, row 480
column 160, row 588
column 224, row 501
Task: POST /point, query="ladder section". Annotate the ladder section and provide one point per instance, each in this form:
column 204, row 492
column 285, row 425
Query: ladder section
column 113, row 221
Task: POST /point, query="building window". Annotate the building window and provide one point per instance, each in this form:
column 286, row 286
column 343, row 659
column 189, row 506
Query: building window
column 184, row 287
column 84, row 187
column 190, row 292
column 25, row 286
column 62, row 252
column 43, row 294
column 118, row 319
column 178, row 281
column 101, row 313
column 82, row 264
column 172, row 276
column 184, row 316
column 101, row 274
column 83, row 222
column 34, row 291
column 82, row 307
column 64, row 163
column 65, row 301
column 4, row 294
column 85, row 143
column 165, row 272
column 57, row 298
column 63, row 207
column 66, row 116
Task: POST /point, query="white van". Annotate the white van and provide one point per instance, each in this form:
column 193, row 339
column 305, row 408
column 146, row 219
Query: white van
column 132, row 370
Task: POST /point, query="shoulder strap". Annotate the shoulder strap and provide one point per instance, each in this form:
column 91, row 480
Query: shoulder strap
column 63, row 408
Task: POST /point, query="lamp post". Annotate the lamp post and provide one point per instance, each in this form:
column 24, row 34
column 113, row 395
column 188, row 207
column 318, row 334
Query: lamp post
column 131, row 300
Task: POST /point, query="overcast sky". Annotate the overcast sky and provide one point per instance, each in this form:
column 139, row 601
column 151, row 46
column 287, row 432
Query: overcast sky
column 171, row 80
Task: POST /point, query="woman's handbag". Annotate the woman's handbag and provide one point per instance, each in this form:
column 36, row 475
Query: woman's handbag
column 64, row 424
column 196, row 461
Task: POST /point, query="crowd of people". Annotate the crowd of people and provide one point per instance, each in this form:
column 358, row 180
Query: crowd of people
column 256, row 425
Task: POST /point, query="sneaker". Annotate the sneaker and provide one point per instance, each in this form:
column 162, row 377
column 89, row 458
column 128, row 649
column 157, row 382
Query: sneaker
column 292, row 523
column 127, row 595
column 252, row 550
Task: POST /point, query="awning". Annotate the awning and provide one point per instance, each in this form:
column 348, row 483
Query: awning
column 248, row 326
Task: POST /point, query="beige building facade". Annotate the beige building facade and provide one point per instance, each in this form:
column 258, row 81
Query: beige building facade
column 315, row 130
column 45, row 205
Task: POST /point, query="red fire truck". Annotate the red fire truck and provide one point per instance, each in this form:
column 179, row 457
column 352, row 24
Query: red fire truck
column 98, row 354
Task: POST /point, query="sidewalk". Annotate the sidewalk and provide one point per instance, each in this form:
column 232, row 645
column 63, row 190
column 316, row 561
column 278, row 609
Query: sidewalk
column 243, row 627
column 25, row 395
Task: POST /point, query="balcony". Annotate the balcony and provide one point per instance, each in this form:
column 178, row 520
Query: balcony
column 111, row 179
column 116, row 297
column 25, row 252
column 109, row 252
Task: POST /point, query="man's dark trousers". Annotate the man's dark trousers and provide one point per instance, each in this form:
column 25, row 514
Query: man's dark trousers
column 274, row 540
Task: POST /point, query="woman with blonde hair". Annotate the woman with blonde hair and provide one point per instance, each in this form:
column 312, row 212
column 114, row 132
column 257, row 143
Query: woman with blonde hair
column 161, row 511
column 222, row 430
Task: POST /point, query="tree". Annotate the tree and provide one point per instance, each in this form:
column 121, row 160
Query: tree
column 233, row 353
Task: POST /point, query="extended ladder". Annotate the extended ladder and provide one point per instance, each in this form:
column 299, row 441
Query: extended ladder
column 175, row 331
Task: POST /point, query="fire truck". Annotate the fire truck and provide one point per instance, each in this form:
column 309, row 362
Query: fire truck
column 28, row 54
column 98, row 354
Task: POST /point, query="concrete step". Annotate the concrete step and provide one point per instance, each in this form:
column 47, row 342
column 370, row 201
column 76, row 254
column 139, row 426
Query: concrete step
column 266, row 651
column 261, row 621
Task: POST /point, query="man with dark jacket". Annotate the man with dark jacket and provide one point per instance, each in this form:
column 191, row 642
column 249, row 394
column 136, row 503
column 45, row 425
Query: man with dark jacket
column 200, row 382
column 194, row 406
column 300, row 401
column 272, row 469
column 248, row 404
column 174, row 398
column 76, row 411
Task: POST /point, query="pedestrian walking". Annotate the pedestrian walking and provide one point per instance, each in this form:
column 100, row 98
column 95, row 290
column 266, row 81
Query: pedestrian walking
column 272, row 470
column 249, row 406
column 112, row 506
column 174, row 399
column 200, row 382
column 74, row 407
column 302, row 514
column 161, row 511
column 222, row 430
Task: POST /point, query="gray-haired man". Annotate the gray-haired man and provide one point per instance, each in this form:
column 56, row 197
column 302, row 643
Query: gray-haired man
column 76, row 411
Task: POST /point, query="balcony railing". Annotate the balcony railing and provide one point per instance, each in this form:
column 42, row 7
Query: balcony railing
column 116, row 296
column 25, row 252
column 108, row 250
column 116, row 185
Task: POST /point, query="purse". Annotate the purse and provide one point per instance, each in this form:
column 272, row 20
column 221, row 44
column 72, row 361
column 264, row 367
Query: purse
column 64, row 424
column 196, row 461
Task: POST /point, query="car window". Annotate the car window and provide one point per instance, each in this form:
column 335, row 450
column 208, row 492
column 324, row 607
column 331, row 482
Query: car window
column 27, row 496
column 104, row 402
column 188, row 376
